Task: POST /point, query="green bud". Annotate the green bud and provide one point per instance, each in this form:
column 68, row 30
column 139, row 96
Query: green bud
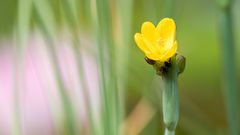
column 181, row 62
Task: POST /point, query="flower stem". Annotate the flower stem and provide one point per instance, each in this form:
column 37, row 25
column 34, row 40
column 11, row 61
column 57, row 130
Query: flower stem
column 169, row 132
column 170, row 99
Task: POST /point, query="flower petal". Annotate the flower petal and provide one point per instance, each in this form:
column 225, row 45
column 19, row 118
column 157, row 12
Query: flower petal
column 153, row 46
column 148, row 30
column 167, row 31
column 166, row 28
column 170, row 52
column 140, row 43
column 158, row 43
column 145, row 47
column 152, row 56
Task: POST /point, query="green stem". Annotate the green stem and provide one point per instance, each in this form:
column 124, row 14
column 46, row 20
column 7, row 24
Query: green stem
column 170, row 99
column 169, row 132
column 228, row 58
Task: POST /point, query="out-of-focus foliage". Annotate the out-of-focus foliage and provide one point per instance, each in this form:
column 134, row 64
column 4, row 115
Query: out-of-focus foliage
column 7, row 16
column 202, row 109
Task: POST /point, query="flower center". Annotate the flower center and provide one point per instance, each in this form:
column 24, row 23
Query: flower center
column 160, row 41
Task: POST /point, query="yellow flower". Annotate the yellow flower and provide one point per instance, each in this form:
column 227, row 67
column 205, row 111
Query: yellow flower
column 158, row 43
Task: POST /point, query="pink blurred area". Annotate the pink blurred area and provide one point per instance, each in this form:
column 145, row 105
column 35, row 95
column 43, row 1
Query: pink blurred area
column 39, row 100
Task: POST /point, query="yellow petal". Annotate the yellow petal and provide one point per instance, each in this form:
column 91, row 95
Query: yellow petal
column 154, row 47
column 170, row 52
column 144, row 47
column 167, row 31
column 153, row 56
column 166, row 28
column 148, row 31
column 140, row 43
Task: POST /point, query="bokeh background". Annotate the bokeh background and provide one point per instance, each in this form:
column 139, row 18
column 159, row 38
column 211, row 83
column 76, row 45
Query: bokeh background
column 30, row 99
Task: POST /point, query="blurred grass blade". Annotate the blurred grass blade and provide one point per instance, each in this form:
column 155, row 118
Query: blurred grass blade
column 22, row 30
column 107, row 67
column 23, row 22
column 48, row 26
column 229, row 66
column 70, row 10
column 124, row 38
column 46, row 17
column 84, row 11
column 72, row 19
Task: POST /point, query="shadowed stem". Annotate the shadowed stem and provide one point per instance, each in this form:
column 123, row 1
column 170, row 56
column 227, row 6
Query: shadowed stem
column 228, row 60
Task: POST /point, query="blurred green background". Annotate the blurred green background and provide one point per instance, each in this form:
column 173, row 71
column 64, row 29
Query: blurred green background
column 202, row 110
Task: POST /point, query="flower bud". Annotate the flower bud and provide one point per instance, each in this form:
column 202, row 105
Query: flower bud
column 181, row 62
